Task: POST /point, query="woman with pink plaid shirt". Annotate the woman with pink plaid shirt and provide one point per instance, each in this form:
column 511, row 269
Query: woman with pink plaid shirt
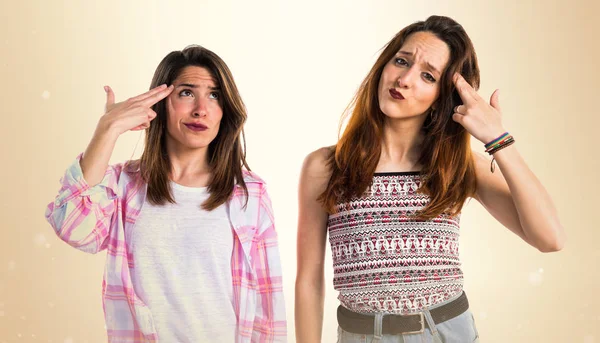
column 192, row 253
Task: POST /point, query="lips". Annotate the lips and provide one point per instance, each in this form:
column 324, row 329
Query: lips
column 196, row 127
column 396, row 95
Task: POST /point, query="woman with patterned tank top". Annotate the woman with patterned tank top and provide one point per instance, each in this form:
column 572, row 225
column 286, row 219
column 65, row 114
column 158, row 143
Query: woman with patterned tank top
column 192, row 252
column 390, row 193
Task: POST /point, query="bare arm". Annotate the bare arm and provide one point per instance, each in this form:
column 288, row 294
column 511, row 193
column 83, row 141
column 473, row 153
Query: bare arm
column 518, row 200
column 513, row 195
column 312, row 236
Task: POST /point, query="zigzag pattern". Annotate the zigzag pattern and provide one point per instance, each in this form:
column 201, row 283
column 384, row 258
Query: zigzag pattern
column 384, row 259
column 398, row 301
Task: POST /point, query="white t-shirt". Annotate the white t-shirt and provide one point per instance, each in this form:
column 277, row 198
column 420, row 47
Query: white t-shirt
column 182, row 268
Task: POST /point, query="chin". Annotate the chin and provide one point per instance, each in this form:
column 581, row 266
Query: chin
column 198, row 146
column 193, row 144
column 393, row 113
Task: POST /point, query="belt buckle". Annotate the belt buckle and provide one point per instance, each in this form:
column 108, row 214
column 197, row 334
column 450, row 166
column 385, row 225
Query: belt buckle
column 422, row 321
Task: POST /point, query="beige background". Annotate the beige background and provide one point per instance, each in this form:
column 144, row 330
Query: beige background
column 297, row 65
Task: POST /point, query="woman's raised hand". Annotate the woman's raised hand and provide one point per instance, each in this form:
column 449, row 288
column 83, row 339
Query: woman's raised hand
column 132, row 114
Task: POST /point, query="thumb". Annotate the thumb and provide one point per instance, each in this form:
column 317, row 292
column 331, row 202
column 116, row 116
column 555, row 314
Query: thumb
column 457, row 117
column 110, row 97
column 495, row 100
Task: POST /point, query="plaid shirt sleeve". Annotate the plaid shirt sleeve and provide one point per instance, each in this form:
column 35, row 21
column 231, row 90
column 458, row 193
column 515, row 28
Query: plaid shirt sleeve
column 270, row 319
column 81, row 215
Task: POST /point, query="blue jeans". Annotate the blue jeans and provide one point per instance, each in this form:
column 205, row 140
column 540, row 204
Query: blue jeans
column 460, row 329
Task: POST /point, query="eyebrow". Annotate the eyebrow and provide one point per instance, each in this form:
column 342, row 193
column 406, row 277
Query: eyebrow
column 191, row 85
column 429, row 65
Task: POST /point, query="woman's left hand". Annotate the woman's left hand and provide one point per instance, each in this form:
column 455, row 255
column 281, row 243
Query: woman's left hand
column 480, row 119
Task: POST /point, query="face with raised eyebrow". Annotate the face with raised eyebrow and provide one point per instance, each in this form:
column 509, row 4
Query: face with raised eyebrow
column 409, row 82
column 193, row 110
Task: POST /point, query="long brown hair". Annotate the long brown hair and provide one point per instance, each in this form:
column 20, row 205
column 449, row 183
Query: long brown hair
column 448, row 167
column 225, row 153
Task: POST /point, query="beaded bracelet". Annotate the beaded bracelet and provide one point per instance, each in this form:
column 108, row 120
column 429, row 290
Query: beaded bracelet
column 498, row 144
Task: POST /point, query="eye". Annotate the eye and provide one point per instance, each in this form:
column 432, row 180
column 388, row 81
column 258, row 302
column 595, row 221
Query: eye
column 186, row 92
column 428, row 77
column 401, row 61
column 214, row 95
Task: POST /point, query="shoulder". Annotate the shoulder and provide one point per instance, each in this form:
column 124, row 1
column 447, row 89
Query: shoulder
column 251, row 177
column 316, row 164
column 316, row 172
column 255, row 186
column 130, row 169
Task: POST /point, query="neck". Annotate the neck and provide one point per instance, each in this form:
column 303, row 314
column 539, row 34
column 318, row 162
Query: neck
column 401, row 145
column 189, row 167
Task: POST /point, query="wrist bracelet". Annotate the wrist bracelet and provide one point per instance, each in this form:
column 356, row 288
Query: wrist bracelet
column 498, row 144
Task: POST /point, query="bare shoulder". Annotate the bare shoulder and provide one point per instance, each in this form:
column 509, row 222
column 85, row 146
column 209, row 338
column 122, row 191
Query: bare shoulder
column 316, row 172
column 316, row 163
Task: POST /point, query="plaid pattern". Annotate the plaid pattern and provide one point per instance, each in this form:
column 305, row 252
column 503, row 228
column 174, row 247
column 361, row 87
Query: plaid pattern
column 92, row 219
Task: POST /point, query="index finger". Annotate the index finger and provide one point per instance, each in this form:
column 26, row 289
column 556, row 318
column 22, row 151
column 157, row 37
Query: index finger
column 148, row 93
column 466, row 92
column 153, row 99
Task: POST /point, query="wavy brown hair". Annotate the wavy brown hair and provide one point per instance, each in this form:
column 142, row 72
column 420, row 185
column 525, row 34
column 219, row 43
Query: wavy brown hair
column 226, row 153
column 448, row 167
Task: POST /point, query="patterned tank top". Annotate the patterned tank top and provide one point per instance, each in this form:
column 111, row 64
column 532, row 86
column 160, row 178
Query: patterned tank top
column 384, row 260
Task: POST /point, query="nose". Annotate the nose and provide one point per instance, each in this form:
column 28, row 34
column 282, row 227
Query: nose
column 406, row 77
column 201, row 108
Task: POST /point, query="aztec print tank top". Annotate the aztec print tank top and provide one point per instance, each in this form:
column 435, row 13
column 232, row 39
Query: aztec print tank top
column 386, row 261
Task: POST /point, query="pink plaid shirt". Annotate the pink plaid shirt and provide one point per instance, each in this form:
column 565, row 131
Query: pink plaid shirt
column 92, row 219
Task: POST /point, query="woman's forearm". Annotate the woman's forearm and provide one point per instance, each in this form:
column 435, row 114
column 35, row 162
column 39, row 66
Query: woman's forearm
column 309, row 311
column 537, row 214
